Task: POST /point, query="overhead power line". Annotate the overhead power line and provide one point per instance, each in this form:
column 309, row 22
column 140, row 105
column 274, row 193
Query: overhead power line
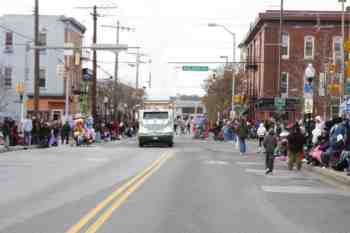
column 17, row 33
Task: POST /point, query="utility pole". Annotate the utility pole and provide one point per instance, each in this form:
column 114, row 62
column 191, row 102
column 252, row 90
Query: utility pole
column 342, row 77
column 94, row 66
column 116, row 64
column 36, row 59
column 149, row 74
column 138, row 61
column 116, row 69
column 280, row 41
column 94, row 58
column 137, row 68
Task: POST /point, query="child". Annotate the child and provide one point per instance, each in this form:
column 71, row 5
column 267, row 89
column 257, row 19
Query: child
column 270, row 144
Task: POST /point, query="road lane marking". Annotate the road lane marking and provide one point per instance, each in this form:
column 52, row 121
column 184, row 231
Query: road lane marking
column 92, row 213
column 100, row 160
column 216, row 162
column 120, row 200
column 249, row 163
column 262, row 171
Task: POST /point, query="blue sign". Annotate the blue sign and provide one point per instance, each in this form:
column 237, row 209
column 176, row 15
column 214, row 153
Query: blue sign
column 307, row 88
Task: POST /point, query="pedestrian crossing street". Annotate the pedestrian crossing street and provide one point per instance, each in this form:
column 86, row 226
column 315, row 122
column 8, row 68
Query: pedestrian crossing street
column 283, row 181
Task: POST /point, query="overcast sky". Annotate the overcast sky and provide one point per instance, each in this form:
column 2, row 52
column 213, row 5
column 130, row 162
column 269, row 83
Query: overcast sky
column 168, row 30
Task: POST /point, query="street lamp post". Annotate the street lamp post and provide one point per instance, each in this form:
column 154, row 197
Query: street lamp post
column 342, row 66
column 20, row 91
column 105, row 102
column 233, row 59
column 225, row 57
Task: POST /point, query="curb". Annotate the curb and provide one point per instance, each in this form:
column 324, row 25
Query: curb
column 19, row 148
column 16, row 148
column 336, row 176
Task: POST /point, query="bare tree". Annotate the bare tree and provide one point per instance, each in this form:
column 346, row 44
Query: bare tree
column 218, row 88
column 117, row 96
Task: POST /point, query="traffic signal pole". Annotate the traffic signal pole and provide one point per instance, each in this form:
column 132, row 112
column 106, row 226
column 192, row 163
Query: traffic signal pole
column 342, row 78
column 94, row 66
column 36, row 59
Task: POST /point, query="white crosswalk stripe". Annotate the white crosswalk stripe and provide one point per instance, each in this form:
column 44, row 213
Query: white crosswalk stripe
column 282, row 181
column 302, row 190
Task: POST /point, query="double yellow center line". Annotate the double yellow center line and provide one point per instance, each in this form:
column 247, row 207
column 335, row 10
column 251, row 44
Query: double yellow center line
column 118, row 197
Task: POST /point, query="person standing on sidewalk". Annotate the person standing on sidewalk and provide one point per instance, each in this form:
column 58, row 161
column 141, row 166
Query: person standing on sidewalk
column 261, row 134
column 27, row 129
column 66, row 131
column 296, row 141
column 270, row 144
column 242, row 134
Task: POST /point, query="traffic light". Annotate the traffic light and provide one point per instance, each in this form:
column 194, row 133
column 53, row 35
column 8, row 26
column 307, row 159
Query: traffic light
column 237, row 99
column 332, row 68
column 243, row 99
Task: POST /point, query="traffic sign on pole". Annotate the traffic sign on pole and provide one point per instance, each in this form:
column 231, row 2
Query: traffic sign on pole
column 195, row 68
column 309, row 105
column 280, row 103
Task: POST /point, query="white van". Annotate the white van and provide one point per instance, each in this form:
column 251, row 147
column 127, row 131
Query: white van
column 156, row 126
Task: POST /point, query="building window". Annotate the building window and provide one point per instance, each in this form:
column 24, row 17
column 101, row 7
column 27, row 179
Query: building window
column 285, row 45
column 42, row 78
column 8, row 77
column 199, row 110
column 337, row 49
column 284, row 84
column 188, row 110
column 309, row 47
column 8, row 41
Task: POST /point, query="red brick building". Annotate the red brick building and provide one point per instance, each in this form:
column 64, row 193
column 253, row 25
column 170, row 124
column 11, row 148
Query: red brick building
column 308, row 37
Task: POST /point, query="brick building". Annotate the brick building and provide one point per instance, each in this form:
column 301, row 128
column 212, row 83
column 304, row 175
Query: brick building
column 308, row 37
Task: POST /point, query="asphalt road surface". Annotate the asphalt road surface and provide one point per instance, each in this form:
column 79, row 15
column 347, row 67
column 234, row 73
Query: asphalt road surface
column 194, row 187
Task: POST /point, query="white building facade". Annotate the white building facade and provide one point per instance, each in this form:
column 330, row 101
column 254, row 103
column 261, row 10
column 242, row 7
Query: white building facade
column 17, row 63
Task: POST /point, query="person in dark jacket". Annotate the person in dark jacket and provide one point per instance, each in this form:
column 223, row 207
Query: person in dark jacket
column 6, row 131
column 44, row 134
column 296, row 141
column 242, row 133
column 270, row 144
column 66, row 131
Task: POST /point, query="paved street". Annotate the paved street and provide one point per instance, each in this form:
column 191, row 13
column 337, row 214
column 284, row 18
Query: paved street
column 195, row 187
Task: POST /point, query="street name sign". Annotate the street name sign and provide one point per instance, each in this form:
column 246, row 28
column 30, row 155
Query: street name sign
column 309, row 105
column 195, row 68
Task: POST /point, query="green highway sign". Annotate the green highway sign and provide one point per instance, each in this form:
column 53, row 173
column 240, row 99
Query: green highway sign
column 195, row 68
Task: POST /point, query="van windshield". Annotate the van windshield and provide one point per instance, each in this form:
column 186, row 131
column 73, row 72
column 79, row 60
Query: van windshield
column 155, row 115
